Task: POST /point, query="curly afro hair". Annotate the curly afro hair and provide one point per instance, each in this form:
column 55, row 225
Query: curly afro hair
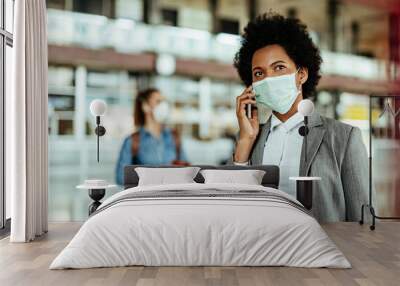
column 270, row 29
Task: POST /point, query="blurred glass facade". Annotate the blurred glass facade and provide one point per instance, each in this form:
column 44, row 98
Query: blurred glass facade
column 110, row 49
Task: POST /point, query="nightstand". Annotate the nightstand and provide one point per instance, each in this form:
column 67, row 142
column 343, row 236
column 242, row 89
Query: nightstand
column 96, row 190
column 304, row 190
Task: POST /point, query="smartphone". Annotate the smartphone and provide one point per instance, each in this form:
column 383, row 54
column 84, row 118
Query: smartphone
column 248, row 111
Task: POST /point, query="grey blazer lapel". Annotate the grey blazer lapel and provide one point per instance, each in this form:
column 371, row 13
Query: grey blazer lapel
column 258, row 150
column 314, row 137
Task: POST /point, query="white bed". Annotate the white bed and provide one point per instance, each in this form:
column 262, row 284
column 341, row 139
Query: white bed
column 267, row 229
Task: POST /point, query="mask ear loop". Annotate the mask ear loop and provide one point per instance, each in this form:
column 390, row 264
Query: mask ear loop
column 299, row 90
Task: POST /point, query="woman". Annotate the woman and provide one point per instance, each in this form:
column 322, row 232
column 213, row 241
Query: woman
column 153, row 143
column 280, row 66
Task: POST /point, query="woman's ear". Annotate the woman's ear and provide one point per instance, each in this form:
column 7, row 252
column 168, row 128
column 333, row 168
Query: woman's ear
column 145, row 107
column 303, row 75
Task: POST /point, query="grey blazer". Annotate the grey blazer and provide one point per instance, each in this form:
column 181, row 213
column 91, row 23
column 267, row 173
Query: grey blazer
column 337, row 154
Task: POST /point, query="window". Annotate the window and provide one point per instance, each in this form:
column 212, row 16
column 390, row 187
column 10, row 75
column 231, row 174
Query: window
column 96, row 7
column 6, row 43
column 169, row 17
column 229, row 26
column 55, row 4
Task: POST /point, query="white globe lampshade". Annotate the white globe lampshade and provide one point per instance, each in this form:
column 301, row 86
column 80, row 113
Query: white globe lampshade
column 306, row 107
column 165, row 64
column 98, row 107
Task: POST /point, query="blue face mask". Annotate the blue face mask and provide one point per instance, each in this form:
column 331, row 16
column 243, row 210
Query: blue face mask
column 278, row 93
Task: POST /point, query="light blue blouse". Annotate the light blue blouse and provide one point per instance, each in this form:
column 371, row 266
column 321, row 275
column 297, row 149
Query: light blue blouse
column 283, row 148
column 152, row 151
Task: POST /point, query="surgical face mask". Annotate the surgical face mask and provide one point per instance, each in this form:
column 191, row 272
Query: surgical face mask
column 278, row 93
column 161, row 112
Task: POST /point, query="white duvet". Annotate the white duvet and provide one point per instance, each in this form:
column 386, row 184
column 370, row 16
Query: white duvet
column 203, row 231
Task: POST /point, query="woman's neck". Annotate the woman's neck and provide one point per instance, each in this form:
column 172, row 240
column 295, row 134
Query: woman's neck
column 153, row 127
column 292, row 111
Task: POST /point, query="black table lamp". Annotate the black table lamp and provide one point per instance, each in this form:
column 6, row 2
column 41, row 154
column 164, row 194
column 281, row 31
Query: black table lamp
column 98, row 108
column 304, row 190
column 305, row 108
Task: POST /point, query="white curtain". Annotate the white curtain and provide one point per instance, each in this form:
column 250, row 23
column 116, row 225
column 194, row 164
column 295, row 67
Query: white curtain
column 27, row 123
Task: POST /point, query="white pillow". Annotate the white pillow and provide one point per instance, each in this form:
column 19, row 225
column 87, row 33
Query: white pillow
column 165, row 176
column 248, row 177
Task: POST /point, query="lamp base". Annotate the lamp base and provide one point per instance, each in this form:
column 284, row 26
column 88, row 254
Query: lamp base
column 373, row 215
column 100, row 130
column 304, row 190
column 96, row 195
column 304, row 193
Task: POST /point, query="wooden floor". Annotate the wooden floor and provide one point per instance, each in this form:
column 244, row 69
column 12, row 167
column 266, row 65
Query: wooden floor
column 375, row 256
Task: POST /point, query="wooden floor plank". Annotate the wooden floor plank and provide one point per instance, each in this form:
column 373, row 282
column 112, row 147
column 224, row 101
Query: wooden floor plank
column 374, row 255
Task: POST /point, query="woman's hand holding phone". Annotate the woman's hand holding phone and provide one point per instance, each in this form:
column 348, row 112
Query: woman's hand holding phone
column 249, row 127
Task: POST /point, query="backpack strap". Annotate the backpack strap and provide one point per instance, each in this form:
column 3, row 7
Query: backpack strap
column 135, row 143
column 177, row 140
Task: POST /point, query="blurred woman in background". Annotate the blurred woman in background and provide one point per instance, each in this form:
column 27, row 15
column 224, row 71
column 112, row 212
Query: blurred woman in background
column 152, row 143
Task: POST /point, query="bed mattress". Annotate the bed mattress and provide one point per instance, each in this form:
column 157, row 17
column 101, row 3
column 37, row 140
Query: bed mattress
column 201, row 225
